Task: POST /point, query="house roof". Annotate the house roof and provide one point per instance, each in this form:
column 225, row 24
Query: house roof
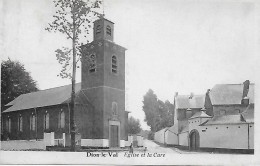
column 225, row 119
column 200, row 114
column 48, row 97
column 223, row 94
column 183, row 101
column 248, row 114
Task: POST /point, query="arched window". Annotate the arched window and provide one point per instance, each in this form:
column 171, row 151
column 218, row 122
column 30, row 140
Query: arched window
column 20, row 123
column 32, row 122
column 61, row 123
column 98, row 29
column 92, row 63
column 46, row 120
column 109, row 30
column 114, row 108
column 8, row 124
column 114, row 64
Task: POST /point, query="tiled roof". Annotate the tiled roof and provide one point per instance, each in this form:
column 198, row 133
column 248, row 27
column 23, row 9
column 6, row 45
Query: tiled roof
column 183, row 101
column 200, row 114
column 223, row 94
column 43, row 98
column 248, row 114
column 225, row 119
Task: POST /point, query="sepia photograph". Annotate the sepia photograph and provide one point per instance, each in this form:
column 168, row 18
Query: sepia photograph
column 130, row 82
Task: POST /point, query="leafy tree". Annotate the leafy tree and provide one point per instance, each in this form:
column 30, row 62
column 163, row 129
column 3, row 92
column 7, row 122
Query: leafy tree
column 134, row 126
column 150, row 108
column 15, row 80
column 158, row 114
column 72, row 18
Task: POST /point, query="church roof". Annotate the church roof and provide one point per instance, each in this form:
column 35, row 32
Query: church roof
column 183, row 101
column 225, row 119
column 200, row 114
column 42, row 98
column 226, row 94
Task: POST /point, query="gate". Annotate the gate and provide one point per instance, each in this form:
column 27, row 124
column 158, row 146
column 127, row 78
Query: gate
column 194, row 140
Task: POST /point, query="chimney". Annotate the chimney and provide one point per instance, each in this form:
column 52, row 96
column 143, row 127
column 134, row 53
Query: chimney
column 245, row 98
column 246, row 88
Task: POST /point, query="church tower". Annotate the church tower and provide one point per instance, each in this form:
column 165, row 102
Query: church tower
column 103, row 82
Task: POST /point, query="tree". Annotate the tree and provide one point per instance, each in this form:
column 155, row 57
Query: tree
column 134, row 126
column 150, row 108
column 72, row 18
column 15, row 80
column 158, row 114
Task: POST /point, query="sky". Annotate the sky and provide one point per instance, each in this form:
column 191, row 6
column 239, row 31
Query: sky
column 172, row 46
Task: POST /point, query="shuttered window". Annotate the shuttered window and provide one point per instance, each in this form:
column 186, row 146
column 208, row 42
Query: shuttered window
column 114, row 64
column 109, row 30
column 92, row 63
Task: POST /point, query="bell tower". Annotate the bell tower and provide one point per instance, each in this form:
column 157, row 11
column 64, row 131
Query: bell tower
column 103, row 29
column 103, row 82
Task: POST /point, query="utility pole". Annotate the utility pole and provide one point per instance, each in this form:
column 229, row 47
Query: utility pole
column 72, row 109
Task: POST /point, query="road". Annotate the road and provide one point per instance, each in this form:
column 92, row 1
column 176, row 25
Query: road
column 153, row 147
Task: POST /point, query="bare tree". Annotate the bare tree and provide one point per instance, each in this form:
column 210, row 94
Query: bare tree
column 72, row 18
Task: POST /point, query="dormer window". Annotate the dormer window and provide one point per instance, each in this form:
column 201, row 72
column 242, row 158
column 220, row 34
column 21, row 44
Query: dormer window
column 114, row 64
column 92, row 63
column 109, row 30
column 98, row 29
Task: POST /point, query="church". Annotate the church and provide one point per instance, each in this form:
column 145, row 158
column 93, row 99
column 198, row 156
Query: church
column 100, row 116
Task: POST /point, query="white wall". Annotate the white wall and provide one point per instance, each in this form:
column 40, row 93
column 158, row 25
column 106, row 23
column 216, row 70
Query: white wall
column 251, row 136
column 159, row 136
column 22, row 145
column 224, row 136
column 95, row 142
column 171, row 138
column 183, row 139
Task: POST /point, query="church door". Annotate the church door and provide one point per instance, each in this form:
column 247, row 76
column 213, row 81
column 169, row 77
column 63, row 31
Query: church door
column 114, row 142
column 194, row 140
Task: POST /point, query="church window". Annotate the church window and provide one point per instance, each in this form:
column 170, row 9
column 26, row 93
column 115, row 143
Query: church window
column 109, row 30
column 20, row 123
column 92, row 63
column 8, row 124
column 114, row 108
column 32, row 122
column 98, row 29
column 61, row 120
column 46, row 120
column 114, row 64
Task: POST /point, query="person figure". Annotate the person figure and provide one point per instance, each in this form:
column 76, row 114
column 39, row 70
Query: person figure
column 131, row 149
